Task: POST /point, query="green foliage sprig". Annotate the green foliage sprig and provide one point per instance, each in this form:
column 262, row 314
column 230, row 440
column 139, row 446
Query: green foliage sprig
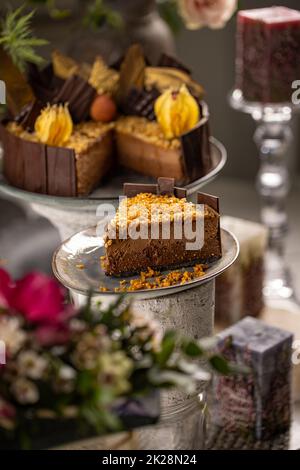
column 17, row 39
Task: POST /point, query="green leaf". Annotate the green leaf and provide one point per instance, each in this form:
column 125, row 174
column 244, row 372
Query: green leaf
column 191, row 348
column 167, row 348
column 17, row 39
column 219, row 364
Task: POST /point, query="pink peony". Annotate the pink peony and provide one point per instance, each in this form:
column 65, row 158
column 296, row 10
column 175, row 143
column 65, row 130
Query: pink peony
column 39, row 298
column 6, row 289
column 211, row 13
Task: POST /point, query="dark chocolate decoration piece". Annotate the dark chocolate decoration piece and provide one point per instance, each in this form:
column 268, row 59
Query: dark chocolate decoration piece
column 141, row 103
column 29, row 115
column 44, row 83
column 166, row 186
column 61, row 171
column 169, row 61
column 18, row 90
column 24, row 163
column 209, row 200
column 196, row 148
column 132, row 189
column 79, row 94
column 180, row 192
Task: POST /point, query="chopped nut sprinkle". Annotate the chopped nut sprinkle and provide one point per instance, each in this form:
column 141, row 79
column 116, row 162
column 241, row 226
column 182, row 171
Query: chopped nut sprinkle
column 148, row 131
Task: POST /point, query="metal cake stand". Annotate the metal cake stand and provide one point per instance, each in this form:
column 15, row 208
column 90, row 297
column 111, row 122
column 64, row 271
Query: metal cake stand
column 187, row 308
column 71, row 214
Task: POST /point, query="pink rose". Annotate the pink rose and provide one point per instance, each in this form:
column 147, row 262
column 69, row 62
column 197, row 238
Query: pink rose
column 211, row 13
column 6, row 289
column 39, row 298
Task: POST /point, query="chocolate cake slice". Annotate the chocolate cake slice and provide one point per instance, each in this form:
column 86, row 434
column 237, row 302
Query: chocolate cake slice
column 142, row 147
column 156, row 227
column 73, row 170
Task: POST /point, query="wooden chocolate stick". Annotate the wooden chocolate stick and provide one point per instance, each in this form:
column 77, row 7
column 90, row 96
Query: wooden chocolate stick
column 212, row 201
column 166, row 185
column 180, row 192
column 132, row 189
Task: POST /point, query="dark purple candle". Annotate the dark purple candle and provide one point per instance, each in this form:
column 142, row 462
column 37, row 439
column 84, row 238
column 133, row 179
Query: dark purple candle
column 268, row 53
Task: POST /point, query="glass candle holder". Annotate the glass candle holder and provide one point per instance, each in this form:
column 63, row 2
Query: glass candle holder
column 267, row 65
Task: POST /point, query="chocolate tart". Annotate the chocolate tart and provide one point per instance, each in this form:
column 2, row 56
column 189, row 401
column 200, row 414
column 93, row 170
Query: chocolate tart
column 142, row 147
column 126, row 255
column 73, row 170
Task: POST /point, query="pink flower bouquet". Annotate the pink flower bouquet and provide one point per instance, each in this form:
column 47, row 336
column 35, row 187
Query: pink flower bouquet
column 64, row 365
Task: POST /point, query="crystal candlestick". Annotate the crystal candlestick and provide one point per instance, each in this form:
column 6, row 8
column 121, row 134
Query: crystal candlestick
column 272, row 137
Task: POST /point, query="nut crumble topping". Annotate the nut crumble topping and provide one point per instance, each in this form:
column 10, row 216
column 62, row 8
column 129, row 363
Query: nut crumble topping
column 148, row 131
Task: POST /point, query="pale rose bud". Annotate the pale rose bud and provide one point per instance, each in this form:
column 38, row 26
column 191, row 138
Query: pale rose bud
column 211, row 13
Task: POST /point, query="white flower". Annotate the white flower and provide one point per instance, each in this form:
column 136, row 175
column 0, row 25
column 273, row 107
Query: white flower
column 65, row 380
column 32, row 365
column 11, row 334
column 211, row 13
column 25, row 391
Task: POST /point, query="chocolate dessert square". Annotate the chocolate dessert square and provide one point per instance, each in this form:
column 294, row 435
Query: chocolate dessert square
column 154, row 228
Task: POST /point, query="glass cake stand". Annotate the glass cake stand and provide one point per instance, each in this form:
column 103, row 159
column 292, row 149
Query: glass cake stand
column 272, row 136
column 69, row 215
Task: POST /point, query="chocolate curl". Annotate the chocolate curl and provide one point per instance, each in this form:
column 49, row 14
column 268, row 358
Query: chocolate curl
column 132, row 189
column 140, row 103
column 29, row 114
column 44, row 83
column 209, row 200
column 213, row 202
column 166, row 186
column 196, row 147
column 79, row 95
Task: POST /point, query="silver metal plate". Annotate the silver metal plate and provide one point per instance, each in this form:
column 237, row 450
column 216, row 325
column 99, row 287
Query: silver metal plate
column 85, row 248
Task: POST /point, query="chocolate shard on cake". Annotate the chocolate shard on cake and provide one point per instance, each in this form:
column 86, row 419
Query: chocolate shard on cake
column 43, row 82
column 156, row 227
column 169, row 61
column 140, row 102
column 29, row 114
column 257, row 404
column 79, row 95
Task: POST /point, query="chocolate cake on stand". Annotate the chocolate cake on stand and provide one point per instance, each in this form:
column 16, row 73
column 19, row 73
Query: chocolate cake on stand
column 80, row 131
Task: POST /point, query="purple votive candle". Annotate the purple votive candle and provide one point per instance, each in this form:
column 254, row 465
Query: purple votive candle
column 268, row 53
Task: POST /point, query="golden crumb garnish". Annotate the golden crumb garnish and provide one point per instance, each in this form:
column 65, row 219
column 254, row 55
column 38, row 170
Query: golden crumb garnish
column 148, row 131
column 103, row 289
column 146, row 208
column 82, row 138
column 80, row 266
column 151, row 279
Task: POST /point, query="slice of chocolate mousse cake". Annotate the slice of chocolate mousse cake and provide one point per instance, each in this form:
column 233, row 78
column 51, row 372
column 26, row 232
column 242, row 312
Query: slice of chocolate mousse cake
column 156, row 227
